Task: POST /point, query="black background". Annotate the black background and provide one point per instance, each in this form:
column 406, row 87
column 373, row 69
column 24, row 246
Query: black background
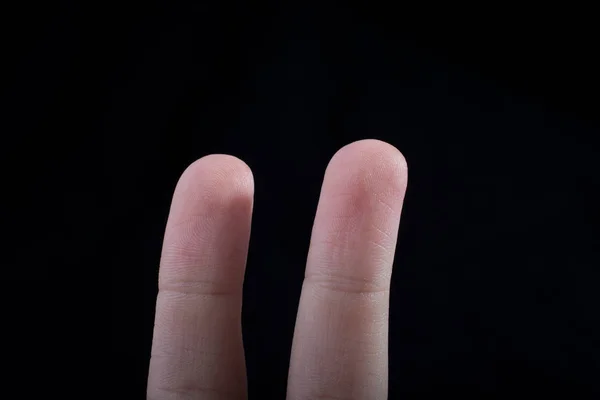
column 495, row 283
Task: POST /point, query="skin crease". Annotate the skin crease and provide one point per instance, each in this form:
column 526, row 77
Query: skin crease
column 340, row 347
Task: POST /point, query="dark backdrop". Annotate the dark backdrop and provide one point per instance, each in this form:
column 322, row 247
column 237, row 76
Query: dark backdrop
column 495, row 286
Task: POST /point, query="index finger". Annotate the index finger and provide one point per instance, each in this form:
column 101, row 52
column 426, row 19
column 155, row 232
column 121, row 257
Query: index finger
column 197, row 350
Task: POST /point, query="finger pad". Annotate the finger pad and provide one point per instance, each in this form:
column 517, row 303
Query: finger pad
column 367, row 166
column 209, row 223
column 359, row 211
column 210, row 184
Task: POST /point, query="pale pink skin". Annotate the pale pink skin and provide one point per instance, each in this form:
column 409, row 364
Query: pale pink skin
column 340, row 347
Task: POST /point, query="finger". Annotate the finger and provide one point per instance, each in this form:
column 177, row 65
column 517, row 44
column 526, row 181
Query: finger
column 197, row 348
column 340, row 346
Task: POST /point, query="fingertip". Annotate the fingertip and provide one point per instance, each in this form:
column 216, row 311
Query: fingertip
column 212, row 183
column 370, row 164
column 219, row 169
column 373, row 146
column 358, row 215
